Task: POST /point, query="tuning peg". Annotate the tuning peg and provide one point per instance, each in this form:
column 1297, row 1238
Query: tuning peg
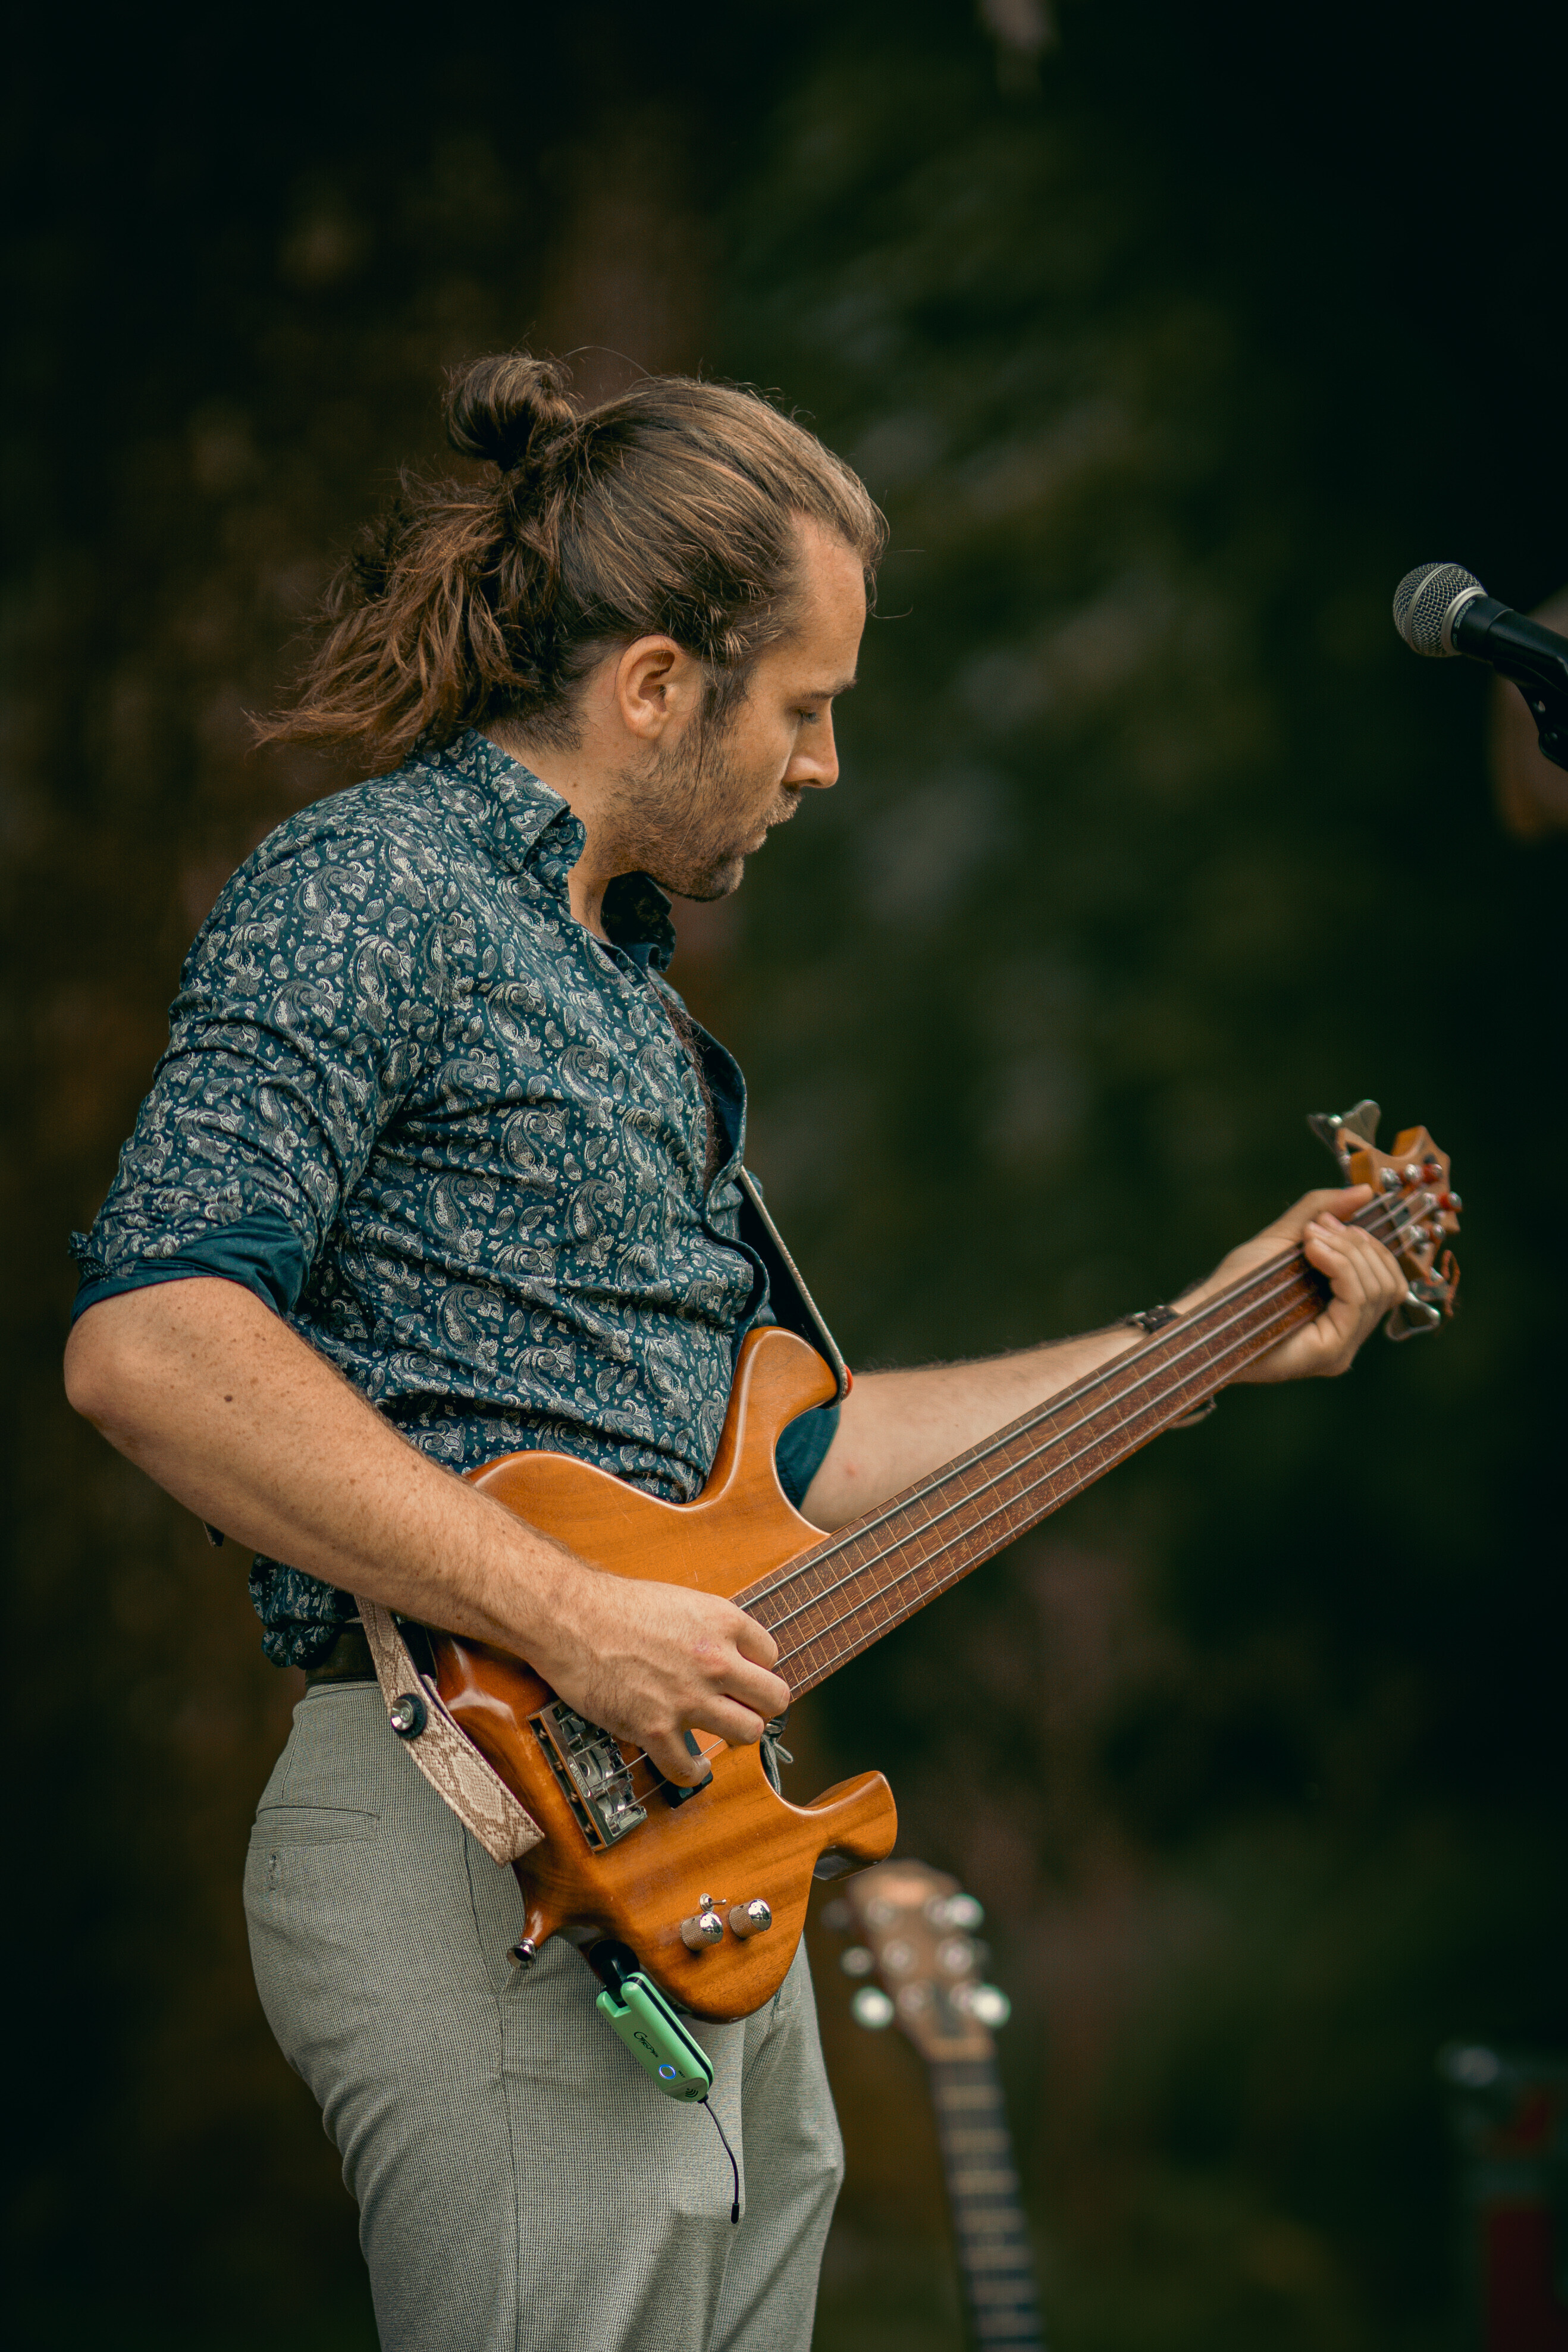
column 837, row 1915
column 857, row 1961
column 1359, row 1123
column 1411, row 1318
column 871, row 2008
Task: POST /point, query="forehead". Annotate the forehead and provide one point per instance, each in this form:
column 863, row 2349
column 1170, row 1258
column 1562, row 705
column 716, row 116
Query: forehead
column 830, row 612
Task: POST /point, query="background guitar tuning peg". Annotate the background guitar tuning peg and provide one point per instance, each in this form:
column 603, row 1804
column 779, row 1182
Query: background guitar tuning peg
column 986, row 2003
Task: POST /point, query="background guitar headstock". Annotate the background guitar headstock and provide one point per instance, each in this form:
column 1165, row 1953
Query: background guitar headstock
column 1412, row 1186
column 912, row 1946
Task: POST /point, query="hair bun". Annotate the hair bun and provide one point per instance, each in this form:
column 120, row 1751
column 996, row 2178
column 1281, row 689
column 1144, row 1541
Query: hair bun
column 505, row 408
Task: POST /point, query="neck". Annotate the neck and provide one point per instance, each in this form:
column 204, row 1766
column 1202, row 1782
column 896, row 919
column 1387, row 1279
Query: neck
column 571, row 778
column 836, row 1600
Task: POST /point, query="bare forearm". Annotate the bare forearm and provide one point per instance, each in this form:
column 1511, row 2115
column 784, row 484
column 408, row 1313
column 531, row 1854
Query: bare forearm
column 217, row 1399
column 895, row 1427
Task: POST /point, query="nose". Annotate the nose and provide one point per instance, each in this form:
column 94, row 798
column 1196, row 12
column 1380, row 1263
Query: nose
column 814, row 767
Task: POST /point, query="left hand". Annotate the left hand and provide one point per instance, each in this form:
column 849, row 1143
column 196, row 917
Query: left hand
column 1364, row 1280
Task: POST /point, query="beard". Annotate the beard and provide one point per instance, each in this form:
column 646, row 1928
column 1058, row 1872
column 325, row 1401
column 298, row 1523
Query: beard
column 693, row 815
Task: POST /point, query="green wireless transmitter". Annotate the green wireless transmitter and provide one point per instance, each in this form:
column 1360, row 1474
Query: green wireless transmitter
column 642, row 2018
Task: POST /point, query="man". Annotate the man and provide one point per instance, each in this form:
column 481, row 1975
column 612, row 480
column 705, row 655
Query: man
column 437, row 1167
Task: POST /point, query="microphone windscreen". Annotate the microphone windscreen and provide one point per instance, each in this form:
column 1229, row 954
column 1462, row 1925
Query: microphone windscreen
column 1421, row 601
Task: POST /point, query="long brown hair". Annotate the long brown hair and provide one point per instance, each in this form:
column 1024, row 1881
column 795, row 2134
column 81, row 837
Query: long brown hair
column 668, row 510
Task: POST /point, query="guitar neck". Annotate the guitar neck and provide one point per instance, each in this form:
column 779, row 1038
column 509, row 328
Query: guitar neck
column 834, row 1601
column 988, row 2225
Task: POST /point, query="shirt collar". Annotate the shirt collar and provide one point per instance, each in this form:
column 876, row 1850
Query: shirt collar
column 635, row 915
column 532, row 829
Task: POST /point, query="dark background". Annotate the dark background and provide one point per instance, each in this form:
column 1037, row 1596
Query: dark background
column 1168, row 346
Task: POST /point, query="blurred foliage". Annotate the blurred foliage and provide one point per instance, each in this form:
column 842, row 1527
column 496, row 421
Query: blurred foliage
column 1167, row 350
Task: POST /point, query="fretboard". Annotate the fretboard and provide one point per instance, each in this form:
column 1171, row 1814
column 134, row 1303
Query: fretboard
column 832, row 1601
column 989, row 2230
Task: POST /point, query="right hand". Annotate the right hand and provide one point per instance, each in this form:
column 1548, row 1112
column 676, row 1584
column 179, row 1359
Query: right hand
column 652, row 1662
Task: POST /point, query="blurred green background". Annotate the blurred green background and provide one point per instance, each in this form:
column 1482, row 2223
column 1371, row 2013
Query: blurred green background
column 1169, row 339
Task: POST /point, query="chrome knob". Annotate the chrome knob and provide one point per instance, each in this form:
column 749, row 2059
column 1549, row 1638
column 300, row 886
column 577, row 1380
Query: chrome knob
column 703, row 1927
column 750, row 1919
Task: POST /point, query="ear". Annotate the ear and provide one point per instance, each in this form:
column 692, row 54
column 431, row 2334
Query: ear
column 657, row 689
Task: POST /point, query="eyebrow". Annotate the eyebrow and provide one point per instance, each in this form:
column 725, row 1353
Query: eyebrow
column 829, row 693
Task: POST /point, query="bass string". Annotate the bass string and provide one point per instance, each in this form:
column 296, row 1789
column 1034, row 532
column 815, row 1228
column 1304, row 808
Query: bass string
column 981, row 1524
column 893, row 1585
column 1281, row 1292
column 916, row 1567
column 1198, row 1337
column 1255, row 1324
column 1240, row 1294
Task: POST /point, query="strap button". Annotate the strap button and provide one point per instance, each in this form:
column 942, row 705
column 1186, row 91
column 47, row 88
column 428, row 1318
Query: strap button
column 408, row 1714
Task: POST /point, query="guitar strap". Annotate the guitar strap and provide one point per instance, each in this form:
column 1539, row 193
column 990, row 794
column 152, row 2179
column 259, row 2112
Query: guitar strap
column 460, row 1775
column 794, row 1306
column 454, row 1767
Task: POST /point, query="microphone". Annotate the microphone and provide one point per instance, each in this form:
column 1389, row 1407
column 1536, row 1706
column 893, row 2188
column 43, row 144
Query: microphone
column 1441, row 609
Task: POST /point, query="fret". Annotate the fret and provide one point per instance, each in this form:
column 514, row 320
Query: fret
column 990, row 2234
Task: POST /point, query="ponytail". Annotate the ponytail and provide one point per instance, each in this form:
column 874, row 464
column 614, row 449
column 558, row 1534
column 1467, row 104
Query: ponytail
column 668, row 510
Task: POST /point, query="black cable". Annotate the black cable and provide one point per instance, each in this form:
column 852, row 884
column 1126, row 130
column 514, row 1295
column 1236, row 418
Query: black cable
column 735, row 2208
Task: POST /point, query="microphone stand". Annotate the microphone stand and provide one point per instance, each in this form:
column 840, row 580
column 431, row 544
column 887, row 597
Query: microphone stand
column 1535, row 658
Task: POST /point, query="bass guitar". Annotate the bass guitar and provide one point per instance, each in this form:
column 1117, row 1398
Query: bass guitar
column 705, row 1892
column 918, row 1966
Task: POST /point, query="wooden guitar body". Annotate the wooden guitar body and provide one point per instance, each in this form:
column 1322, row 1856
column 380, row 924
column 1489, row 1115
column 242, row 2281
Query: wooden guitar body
column 734, row 1842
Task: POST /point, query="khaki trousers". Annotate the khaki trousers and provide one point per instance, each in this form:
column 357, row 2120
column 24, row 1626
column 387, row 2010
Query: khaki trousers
column 522, row 2185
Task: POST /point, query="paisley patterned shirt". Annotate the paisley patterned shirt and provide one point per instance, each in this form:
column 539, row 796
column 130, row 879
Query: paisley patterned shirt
column 456, row 1140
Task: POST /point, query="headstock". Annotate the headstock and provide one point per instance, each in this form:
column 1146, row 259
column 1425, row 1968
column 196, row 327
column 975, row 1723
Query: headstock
column 1414, row 1209
column 914, row 1950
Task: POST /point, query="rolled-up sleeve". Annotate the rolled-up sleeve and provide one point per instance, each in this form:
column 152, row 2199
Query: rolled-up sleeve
column 307, row 1008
